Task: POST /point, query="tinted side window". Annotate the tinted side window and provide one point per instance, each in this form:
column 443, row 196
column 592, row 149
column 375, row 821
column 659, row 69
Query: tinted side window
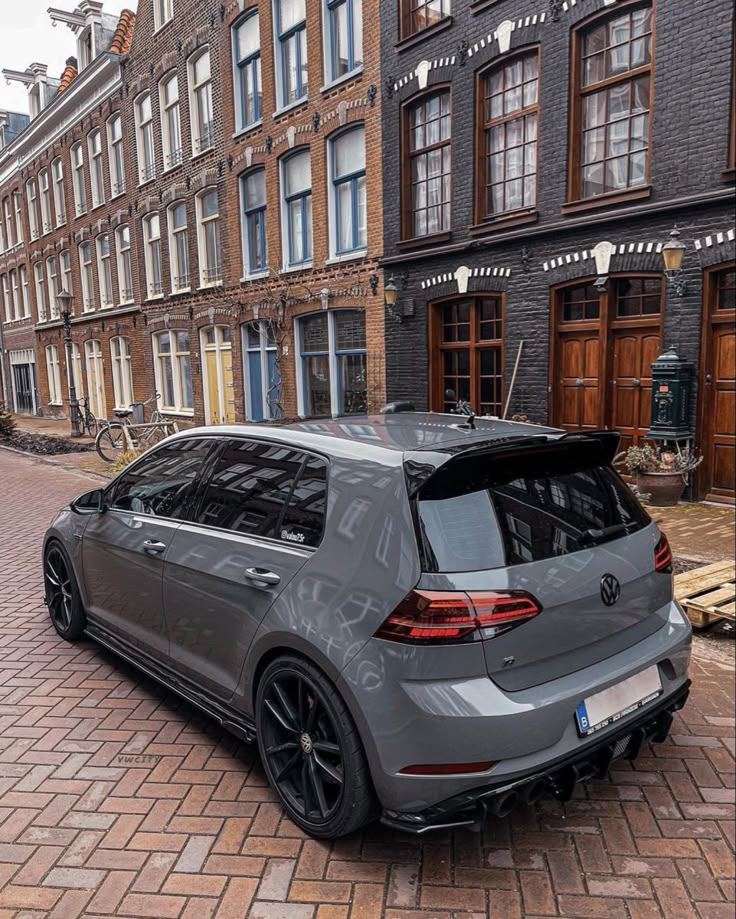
column 304, row 520
column 162, row 484
column 249, row 488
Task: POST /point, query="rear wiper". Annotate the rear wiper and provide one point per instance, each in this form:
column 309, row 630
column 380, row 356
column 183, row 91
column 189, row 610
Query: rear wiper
column 595, row 537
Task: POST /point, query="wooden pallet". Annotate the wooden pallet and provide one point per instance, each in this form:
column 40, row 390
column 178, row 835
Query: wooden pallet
column 708, row 594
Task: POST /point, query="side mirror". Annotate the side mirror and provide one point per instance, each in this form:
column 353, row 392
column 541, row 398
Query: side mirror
column 90, row 502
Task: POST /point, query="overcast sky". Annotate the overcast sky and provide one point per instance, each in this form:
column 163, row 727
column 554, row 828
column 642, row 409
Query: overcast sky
column 26, row 35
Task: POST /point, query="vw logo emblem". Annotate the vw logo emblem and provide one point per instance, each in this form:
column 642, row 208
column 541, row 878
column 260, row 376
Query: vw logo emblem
column 610, row 590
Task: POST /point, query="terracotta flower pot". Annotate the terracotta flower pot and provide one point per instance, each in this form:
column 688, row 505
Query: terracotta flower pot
column 664, row 488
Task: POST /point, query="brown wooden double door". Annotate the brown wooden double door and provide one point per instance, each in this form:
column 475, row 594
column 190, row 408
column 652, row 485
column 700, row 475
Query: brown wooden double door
column 717, row 423
column 605, row 343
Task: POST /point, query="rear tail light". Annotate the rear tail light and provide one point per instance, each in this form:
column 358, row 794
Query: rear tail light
column 432, row 617
column 663, row 556
column 446, row 768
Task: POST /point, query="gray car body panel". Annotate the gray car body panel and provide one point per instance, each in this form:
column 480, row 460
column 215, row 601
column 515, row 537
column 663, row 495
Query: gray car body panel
column 411, row 704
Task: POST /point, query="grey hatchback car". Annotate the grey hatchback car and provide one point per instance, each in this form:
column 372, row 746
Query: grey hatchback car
column 417, row 618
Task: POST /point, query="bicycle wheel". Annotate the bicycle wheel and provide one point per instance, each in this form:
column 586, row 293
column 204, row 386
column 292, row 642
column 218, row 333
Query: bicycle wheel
column 110, row 442
column 90, row 424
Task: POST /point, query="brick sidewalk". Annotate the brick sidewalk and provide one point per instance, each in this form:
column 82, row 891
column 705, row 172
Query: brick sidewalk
column 117, row 799
column 698, row 531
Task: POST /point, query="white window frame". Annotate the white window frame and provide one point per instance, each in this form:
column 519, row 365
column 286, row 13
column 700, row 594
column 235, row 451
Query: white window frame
column 280, row 39
column 333, row 209
column 96, row 167
column 175, row 357
column 332, row 354
column 78, row 179
column 209, row 276
column 52, row 276
column 86, row 276
column 65, row 270
column 54, row 375
column 250, row 65
column 32, row 201
column 124, row 254
column 14, row 293
column 9, row 316
column 354, row 12
column 104, row 271
column 18, row 208
column 144, row 134
column 122, row 375
column 9, row 223
column 245, row 214
column 44, row 195
column 181, row 281
column 163, row 12
column 116, row 154
column 57, row 180
column 172, row 145
column 154, row 287
column 39, row 283
column 23, row 272
column 203, row 135
column 286, row 255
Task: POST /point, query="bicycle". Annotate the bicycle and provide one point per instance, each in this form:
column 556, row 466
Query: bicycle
column 84, row 419
column 117, row 437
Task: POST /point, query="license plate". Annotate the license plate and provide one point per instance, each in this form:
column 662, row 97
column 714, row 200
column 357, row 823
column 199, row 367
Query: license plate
column 604, row 708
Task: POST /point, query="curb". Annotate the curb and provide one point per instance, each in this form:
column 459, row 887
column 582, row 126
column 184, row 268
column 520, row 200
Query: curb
column 51, row 462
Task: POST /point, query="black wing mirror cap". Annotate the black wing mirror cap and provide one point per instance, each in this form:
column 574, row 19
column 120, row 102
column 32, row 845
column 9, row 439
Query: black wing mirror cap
column 90, row 502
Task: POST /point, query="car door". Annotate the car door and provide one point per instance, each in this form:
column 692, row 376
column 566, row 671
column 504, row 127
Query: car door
column 226, row 567
column 123, row 549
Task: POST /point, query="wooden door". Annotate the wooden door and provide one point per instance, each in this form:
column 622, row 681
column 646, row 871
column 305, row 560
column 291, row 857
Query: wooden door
column 218, row 350
column 578, row 397
column 718, row 404
column 630, row 394
column 95, row 379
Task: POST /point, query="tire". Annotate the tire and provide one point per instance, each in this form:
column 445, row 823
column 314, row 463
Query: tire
column 311, row 751
column 61, row 593
column 90, row 424
column 110, row 442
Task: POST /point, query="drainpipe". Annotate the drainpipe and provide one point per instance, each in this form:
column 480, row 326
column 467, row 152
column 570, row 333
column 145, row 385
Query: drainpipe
column 4, row 362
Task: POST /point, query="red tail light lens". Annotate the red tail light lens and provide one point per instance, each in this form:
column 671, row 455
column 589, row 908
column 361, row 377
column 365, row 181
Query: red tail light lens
column 431, row 617
column 663, row 556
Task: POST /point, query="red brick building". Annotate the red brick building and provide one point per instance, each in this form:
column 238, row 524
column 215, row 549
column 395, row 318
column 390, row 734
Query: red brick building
column 206, row 181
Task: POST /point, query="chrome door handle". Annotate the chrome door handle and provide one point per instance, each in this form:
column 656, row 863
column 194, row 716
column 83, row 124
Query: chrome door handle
column 154, row 547
column 262, row 577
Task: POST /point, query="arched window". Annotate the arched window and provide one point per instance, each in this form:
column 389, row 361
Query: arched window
column 247, row 71
column 52, row 272
column 86, row 276
column 296, row 185
column 427, row 166
column 173, row 371
column 57, row 173
column 54, row 376
column 152, row 247
column 200, row 101
column 253, row 223
column 78, row 181
column 208, row 237
column 348, row 204
column 170, row 120
column 508, row 120
column 45, row 196
column 104, row 269
column 179, row 247
column 32, row 200
column 612, row 105
column 97, row 177
column 144, row 138
column 125, row 266
column 290, row 35
column 115, row 154
column 122, row 376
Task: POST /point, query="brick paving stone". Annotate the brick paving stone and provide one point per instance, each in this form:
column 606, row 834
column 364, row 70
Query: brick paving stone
column 186, row 827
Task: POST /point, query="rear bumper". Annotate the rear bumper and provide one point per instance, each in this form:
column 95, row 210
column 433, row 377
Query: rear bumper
column 557, row 780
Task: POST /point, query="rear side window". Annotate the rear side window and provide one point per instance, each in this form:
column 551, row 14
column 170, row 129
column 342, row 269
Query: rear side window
column 483, row 513
column 260, row 489
column 162, row 484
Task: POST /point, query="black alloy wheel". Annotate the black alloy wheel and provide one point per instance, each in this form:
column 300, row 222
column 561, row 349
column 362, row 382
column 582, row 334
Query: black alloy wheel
column 61, row 594
column 311, row 751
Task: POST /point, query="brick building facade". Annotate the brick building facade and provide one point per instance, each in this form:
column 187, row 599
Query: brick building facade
column 172, row 290
column 567, row 125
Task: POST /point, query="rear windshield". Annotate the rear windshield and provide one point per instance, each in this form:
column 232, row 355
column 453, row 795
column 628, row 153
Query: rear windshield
column 483, row 512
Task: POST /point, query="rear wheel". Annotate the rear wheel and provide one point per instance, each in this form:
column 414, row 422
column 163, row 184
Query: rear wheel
column 311, row 750
column 110, row 442
column 62, row 593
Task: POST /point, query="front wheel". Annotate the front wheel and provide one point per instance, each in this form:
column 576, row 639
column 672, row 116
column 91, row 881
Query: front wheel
column 62, row 593
column 110, row 442
column 90, row 424
column 311, row 750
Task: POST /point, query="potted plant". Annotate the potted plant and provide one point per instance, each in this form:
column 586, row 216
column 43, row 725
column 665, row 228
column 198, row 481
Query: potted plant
column 660, row 473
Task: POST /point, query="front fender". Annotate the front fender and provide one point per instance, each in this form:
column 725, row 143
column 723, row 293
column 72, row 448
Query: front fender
column 68, row 529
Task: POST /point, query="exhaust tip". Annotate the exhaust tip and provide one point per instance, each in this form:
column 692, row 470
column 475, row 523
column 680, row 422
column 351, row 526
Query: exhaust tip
column 534, row 791
column 504, row 804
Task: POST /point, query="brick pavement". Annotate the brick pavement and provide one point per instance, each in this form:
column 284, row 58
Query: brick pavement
column 116, row 799
column 698, row 531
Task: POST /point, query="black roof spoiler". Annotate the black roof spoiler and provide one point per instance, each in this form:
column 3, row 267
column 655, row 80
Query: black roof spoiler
column 421, row 466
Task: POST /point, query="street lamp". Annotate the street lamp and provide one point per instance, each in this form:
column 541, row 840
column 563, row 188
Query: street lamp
column 391, row 298
column 65, row 304
column 673, row 253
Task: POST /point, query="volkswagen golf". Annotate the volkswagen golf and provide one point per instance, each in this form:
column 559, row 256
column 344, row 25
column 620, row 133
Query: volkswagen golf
column 418, row 618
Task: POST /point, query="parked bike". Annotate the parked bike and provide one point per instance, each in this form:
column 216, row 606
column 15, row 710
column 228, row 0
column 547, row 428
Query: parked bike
column 118, row 436
column 83, row 418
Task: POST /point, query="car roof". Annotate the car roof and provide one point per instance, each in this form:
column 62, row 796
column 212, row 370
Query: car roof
column 399, row 433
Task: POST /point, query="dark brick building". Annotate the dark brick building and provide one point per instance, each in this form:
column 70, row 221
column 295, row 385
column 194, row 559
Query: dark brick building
column 528, row 136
